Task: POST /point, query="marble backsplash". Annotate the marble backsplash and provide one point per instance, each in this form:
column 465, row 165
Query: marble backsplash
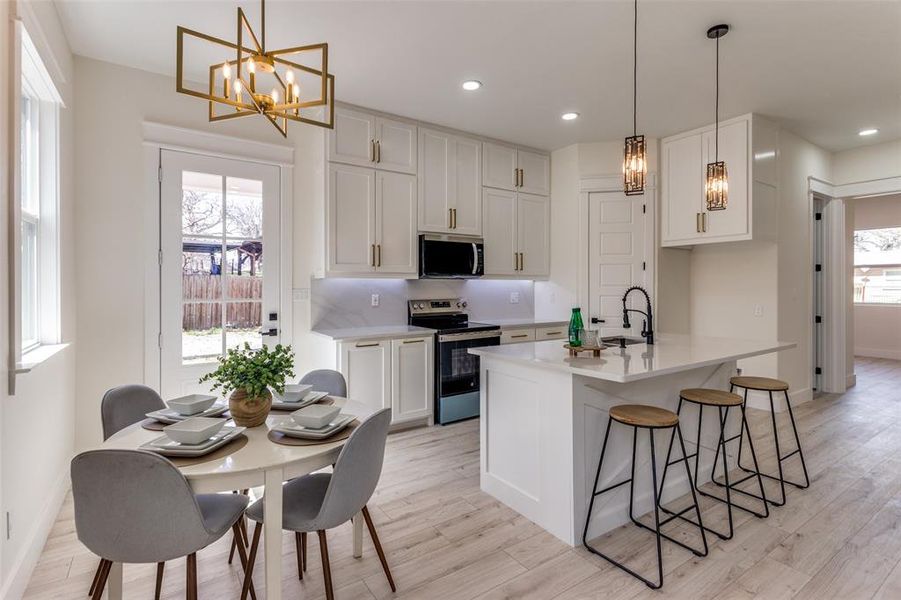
column 338, row 303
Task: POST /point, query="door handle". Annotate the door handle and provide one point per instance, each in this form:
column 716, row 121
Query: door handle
column 453, row 218
column 378, row 250
column 522, row 176
column 371, row 150
column 378, row 151
column 515, row 177
column 704, row 222
column 372, row 255
column 697, row 222
column 450, row 218
column 271, row 331
column 595, row 320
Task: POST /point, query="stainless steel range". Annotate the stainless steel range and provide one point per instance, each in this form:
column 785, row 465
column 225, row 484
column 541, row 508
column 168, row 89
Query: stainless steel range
column 456, row 370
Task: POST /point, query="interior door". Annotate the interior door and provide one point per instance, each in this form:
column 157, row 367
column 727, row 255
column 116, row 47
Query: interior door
column 395, row 238
column 218, row 288
column 617, row 259
column 499, row 222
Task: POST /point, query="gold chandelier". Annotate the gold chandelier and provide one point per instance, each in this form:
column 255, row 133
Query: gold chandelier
column 272, row 83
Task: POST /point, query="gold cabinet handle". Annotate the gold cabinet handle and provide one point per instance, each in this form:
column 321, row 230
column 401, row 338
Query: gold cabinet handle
column 378, row 151
column 515, row 177
column 516, row 261
column 372, row 255
column 704, row 222
column 361, row 345
column 450, row 218
column 378, row 251
column 516, row 337
column 414, row 341
column 522, row 177
column 371, row 150
column 455, row 217
column 697, row 222
column 522, row 262
column 553, row 333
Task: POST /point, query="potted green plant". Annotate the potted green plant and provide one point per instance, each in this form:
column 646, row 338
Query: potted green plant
column 246, row 376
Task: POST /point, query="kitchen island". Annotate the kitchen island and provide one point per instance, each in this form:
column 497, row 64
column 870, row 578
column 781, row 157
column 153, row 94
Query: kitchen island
column 543, row 415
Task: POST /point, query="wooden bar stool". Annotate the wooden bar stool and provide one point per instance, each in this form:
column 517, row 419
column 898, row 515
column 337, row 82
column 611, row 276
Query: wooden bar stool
column 639, row 416
column 723, row 402
column 768, row 385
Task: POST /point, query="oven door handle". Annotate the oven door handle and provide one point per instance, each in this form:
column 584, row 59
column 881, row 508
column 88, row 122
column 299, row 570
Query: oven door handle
column 463, row 337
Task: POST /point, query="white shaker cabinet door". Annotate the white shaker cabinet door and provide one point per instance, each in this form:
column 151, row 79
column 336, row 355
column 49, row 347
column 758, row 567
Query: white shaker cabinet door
column 412, row 391
column 683, row 190
column 733, row 223
column 366, row 365
column 435, row 186
column 352, row 141
column 499, row 166
column 395, row 145
column 533, row 234
column 467, row 185
column 351, row 219
column 395, row 216
column 535, row 172
column 499, row 224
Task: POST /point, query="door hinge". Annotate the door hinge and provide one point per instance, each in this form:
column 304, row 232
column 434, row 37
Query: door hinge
column 9, row 526
column 818, row 268
column 818, row 371
column 644, row 208
column 644, row 266
column 818, row 319
column 818, row 216
column 159, row 174
column 159, row 257
column 159, row 340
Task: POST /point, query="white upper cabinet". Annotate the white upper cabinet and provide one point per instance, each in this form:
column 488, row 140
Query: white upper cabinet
column 499, row 169
column 508, row 168
column 395, row 145
column 395, row 223
column 533, row 234
column 499, row 220
column 351, row 219
column 352, row 141
column 449, row 183
column 749, row 147
column 363, row 139
column 534, row 172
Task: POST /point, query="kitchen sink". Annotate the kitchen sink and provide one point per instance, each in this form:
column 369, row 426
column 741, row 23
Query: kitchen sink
column 617, row 340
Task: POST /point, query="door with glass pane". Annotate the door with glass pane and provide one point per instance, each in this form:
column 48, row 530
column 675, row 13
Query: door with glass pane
column 219, row 241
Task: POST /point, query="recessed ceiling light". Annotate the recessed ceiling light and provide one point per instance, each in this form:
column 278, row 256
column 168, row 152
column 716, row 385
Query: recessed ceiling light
column 471, row 85
column 868, row 132
column 569, row 116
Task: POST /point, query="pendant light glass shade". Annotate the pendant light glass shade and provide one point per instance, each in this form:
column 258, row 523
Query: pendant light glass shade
column 716, row 186
column 635, row 165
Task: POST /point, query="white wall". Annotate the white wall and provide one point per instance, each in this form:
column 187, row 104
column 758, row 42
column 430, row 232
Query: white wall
column 869, row 162
column 877, row 328
column 36, row 443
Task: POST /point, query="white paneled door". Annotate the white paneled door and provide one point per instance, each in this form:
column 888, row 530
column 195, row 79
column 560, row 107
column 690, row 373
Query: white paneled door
column 219, row 263
column 618, row 231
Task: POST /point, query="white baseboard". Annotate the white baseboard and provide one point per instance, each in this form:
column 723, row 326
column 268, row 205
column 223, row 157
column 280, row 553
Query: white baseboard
column 890, row 353
column 24, row 564
column 851, row 380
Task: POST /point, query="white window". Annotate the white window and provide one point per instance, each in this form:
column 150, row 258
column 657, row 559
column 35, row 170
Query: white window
column 877, row 266
column 39, row 105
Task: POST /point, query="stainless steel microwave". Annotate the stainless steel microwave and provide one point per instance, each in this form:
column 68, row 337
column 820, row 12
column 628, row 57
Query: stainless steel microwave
column 450, row 257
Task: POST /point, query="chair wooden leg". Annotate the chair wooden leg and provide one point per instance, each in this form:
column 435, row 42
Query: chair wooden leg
column 242, row 555
column 298, row 543
column 159, row 580
column 378, row 548
column 191, row 583
column 303, row 544
column 103, row 574
column 326, row 566
column 96, row 577
column 248, row 571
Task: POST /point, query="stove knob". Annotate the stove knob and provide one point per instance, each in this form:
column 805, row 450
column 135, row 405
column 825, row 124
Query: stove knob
column 420, row 306
column 459, row 305
column 465, row 305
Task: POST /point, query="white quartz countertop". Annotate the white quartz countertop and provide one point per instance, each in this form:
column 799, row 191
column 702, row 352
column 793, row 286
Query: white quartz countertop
column 373, row 332
column 670, row 354
column 510, row 323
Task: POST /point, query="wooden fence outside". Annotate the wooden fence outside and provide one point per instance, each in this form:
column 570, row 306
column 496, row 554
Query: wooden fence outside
column 244, row 309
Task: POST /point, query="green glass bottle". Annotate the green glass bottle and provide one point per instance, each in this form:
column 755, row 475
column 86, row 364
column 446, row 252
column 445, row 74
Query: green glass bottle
column 575, row 328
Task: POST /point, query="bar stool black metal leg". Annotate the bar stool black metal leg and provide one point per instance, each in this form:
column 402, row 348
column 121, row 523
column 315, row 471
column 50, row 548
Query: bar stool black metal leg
column 800, row 452
column 669, row 453
column 594, row 489
column 656, row 511
column 778, row 451
column 721, row 445
column 694, row 496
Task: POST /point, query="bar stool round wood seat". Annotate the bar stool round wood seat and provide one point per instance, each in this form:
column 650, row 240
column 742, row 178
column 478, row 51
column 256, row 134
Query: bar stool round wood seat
column 770, row 385
column 651, row 418
column 722, row 401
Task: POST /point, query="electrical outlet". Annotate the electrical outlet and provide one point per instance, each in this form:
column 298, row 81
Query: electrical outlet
column 514, row 297
column 374, row 300
column 758, row 310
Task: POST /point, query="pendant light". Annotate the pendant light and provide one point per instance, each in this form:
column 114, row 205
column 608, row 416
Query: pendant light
column 716, row 187
column 635, row 164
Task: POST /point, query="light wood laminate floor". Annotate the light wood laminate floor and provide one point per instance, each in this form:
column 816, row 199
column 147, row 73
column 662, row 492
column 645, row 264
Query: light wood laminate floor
column 446, row 539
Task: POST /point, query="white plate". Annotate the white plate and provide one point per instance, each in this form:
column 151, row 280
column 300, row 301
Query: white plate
column 195, row 430
column 168, row 447
column 167, row 415
column 310, row 398
column 291, row 429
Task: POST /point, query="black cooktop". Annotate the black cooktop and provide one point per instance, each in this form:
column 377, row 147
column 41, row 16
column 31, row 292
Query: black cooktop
column 458, row 323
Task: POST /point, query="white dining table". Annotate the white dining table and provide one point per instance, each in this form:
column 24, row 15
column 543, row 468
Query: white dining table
column 260, row 462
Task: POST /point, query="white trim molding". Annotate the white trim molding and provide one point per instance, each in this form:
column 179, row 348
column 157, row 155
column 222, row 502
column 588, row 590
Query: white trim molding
column 171, row 137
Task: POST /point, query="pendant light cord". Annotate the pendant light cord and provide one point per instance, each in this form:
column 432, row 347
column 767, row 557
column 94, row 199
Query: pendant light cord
column 263, row 26
column 635, row 72
column 716, row 137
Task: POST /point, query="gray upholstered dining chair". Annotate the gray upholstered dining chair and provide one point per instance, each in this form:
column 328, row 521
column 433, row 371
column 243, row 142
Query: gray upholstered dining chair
column 322, row 501
column 133, row 506
column 326, row 380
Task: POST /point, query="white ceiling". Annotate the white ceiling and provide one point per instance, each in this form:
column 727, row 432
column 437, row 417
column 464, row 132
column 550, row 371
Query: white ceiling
column 824, row 69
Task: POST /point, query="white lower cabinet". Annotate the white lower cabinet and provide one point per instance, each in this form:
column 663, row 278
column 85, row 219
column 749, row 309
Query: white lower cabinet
column 396, row 374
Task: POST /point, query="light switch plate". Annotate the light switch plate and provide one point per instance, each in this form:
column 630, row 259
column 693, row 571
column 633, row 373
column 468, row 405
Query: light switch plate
column 374, row 300
column 514, row 297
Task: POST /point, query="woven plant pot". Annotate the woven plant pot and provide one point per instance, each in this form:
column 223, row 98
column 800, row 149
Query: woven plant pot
column 249, row 411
